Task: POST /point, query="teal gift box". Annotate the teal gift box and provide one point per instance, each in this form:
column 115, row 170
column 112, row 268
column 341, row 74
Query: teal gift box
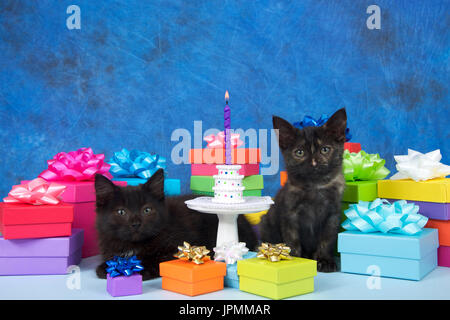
column 232, row 279
column 172, row 187
column 391, row 255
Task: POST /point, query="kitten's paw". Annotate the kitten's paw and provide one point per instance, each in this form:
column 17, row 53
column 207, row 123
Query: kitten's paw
column 324, row 265
column 101, row 271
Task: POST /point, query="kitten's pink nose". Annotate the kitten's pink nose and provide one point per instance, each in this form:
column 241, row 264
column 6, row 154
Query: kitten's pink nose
column 314, row 163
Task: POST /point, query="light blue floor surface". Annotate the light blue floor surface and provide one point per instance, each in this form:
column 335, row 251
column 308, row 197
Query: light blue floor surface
column 435, row 285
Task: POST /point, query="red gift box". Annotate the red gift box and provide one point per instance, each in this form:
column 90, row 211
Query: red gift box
column 352, row 147
column 24, row 221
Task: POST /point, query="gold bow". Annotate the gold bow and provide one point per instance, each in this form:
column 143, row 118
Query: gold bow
column 274, row 252
column 191, row 253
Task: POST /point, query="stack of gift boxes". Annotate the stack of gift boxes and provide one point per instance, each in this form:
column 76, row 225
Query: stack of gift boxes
column 37, row 231
column 431, row 196
column 203, row 168
column 387, row 236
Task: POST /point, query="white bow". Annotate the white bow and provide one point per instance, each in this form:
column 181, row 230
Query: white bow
column 420, row 167
column 230, row 252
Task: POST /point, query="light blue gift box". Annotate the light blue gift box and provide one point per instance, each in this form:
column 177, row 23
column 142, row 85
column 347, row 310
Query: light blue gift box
column 409, row 257
column 232, row 279
column 172, row 187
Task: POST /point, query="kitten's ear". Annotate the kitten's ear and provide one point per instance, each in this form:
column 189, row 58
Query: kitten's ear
column 104, row 189
column 155, row 185
column 286, row 132
column 337, row 124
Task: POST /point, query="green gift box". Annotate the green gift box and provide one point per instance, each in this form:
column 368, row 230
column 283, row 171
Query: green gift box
column 360, row 190
column 277, row 280
column 206, row 183
column 246, row 193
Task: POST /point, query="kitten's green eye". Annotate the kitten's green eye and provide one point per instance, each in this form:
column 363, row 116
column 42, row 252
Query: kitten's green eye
column 299, row 153
column 147, row 210
column 324, row 150
column 121, row 212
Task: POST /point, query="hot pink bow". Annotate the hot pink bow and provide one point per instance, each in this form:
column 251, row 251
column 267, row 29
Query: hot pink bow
column 215, row 142
column 37, row 191
column 78, row 165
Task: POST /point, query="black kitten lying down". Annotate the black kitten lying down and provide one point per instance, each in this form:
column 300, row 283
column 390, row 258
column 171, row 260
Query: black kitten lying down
column 140, row 221
column 307, row 210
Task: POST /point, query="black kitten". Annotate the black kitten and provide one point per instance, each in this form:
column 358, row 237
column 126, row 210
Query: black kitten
column 307, row 210
column 140, row 221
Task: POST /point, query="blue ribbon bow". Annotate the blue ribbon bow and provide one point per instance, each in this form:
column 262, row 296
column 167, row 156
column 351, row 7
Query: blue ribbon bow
column 309, row 121
column 123, row 266
column 135, row 163
column 382, row 216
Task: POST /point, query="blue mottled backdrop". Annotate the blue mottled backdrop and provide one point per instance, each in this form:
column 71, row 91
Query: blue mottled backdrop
column 137, row 70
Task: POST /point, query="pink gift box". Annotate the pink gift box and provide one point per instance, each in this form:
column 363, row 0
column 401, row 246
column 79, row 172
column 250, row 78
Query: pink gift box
column 444, row 256
column 123, row 285
column 205, row 169
column 80, row 191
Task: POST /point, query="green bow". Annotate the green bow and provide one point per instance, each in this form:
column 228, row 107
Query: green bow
column 363, row 166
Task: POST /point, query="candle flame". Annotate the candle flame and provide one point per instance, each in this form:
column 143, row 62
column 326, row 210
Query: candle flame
column 227, row 96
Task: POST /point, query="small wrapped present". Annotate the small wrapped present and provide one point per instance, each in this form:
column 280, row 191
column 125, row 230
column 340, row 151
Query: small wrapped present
column 217, row 156
column 390, row 237
column 123, row 278
column 193, row 273
column 283, row 178
column 230, row 253
column 40, row 256
column 34, row 210
column 361, row 172
column 275, row 274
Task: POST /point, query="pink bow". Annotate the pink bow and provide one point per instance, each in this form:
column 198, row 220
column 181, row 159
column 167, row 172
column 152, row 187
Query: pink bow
column 78, row 165
column 217, row 142
column 37, row 191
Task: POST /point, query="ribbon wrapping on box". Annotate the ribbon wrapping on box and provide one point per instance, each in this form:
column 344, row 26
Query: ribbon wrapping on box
column 230, row 252
column 309, row 121
column 217, row 141
column 420, row 167
column 363, row 166
column 135, row 163
column 37, row 192
column 195, row 254
column 120, row 266
column 80, row 165
column 382, row 216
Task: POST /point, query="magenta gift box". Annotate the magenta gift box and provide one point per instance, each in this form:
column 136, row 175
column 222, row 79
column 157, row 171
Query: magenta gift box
column 432, row 210
column 40, row 256
column 84, row 218
column 444, row 256
column 123, row 285
column 80, row 191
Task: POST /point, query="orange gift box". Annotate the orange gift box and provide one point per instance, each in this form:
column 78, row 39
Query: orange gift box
column 443, row 230
column 217, row 156
column 283, row 178
column 185, row 277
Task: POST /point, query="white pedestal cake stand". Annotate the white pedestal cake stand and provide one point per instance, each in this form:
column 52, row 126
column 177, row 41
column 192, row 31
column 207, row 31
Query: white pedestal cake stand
column 227, row 230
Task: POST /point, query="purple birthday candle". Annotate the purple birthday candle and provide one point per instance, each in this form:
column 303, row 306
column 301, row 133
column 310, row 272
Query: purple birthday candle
column 227, row 125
